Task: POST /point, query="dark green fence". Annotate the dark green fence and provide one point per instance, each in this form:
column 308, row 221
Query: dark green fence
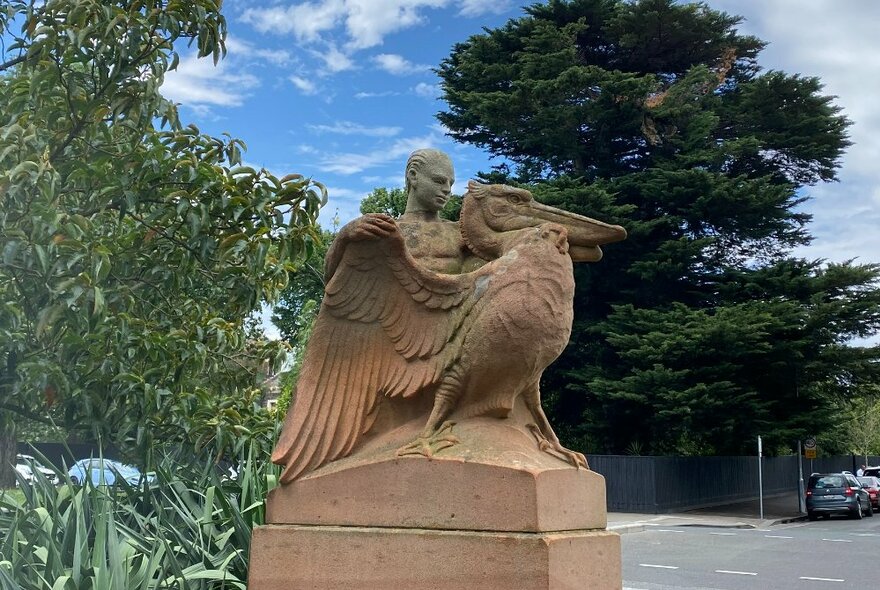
column 63, row 455
column 670, row 484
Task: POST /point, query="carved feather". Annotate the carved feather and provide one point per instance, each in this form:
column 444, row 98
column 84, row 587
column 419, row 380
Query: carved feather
column 386, row 327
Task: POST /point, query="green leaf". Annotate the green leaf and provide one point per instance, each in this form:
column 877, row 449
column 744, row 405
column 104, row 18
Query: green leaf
column 98, row 300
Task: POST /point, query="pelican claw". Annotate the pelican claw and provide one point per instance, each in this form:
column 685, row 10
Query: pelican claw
column 557, row 450
column 428, row 445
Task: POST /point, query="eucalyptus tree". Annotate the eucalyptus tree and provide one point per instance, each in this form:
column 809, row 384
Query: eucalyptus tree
column 133, row 246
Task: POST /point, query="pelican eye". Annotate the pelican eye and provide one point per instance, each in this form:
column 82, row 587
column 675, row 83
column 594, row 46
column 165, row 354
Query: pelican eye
column 514, row 199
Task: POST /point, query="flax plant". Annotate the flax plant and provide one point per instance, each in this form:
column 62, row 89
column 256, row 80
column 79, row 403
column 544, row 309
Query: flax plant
column 190, row 528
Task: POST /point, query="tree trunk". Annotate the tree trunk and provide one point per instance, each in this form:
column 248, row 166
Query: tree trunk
column 8, row 446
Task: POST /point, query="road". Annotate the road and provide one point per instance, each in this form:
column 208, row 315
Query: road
column 822, row 555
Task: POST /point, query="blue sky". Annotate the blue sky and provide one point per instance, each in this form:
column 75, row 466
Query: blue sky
column 317, row 88
column 342, row 91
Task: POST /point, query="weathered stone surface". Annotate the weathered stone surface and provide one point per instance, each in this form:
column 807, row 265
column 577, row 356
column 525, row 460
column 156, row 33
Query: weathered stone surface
column 499, row 482
column 296, row 557
column 416, row 454
column 396, row 340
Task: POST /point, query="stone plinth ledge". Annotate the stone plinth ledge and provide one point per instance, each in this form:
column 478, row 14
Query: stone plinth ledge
column 288, row 557
column 515, row 488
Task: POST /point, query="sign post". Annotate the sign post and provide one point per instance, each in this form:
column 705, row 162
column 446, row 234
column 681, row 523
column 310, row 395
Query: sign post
column 760, row 477
column 809, row 453
column 802, row 501
column 810, row 448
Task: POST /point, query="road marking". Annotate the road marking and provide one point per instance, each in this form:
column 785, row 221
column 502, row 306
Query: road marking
column 724, row 534
column 778, row 537
column 822, row 579
column 838, row 540
column 668, row 531
column 736, row 573
column 662, row 567
column 865, row 534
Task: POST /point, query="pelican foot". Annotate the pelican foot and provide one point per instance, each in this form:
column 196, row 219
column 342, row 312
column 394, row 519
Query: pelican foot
column 557, row 450
column 429, row 445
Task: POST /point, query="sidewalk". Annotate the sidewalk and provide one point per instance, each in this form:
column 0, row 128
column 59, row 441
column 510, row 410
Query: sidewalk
column 778, row 509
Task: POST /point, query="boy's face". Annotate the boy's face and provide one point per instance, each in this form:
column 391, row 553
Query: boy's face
column 431, row 184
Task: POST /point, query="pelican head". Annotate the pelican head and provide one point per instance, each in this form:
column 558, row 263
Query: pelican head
column 490, row 211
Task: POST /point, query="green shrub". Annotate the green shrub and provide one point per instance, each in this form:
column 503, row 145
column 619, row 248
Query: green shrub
column 191, row 528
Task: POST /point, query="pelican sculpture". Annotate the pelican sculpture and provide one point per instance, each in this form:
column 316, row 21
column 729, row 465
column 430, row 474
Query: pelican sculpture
column 391, row 332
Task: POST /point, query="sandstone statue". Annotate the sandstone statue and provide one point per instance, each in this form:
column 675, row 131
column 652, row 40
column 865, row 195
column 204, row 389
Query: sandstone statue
column 424, row 320
column 416, row 454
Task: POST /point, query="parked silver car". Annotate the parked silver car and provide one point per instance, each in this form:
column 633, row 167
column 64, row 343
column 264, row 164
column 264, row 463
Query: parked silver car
column 837, row 493
column 26, row 466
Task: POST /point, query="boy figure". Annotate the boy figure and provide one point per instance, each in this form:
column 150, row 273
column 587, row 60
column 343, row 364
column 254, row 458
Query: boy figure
column 434, row 242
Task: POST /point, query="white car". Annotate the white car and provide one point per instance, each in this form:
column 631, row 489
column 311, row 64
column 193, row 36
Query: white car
column 26, row 465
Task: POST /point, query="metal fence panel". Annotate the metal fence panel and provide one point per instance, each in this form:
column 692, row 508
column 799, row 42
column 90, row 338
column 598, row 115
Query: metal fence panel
column 629, row 482
column 665, row 484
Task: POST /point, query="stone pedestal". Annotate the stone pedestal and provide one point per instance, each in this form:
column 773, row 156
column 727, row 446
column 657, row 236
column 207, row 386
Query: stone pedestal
column 493, row 514
column 295, row 557
column 445, row 494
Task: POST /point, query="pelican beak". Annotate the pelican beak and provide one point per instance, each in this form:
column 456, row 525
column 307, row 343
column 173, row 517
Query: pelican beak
column 585, row 234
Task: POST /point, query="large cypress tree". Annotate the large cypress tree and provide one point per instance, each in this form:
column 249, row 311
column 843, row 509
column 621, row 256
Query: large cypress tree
column 701, row 330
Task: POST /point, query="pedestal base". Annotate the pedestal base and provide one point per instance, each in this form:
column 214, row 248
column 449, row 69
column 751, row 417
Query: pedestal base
column 301, row 557
column 498, row 481
column 445, row 494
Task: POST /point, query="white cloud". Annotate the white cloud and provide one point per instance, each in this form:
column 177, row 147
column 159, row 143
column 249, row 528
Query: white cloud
column 338, row 192
column 242, row 50
column 335, row 60
column 349, row 128
column 398, row 65
column 279, row 57
column 835, row 40
column 333, row 30
column 388, row 181
column 362, row 95
column 343, row 205
column 198, row 83
column 355, row 163
column 426, row 90
column 305, row 148
column 306, row 20
column 366, row 22
column 304, row 85
column 471, row 8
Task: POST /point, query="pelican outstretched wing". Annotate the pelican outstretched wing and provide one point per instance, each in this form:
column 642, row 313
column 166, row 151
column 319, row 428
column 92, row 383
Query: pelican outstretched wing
column 384, row 329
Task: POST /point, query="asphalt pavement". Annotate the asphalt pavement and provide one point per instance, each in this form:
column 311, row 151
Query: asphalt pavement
column 823, row 555
column 778, row 509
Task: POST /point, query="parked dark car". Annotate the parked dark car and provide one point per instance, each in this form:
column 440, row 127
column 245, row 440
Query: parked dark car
column 872, row 486
column 837, row 493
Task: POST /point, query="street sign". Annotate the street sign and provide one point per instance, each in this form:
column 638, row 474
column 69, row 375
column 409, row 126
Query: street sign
column 810, row 443
column 810, row 453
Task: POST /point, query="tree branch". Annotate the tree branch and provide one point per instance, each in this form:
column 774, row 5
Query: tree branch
column 12, row 62
column 26, row 413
